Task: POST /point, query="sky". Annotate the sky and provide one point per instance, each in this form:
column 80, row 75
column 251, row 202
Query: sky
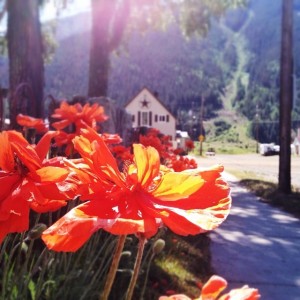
column 74, row 7
column 49, row 11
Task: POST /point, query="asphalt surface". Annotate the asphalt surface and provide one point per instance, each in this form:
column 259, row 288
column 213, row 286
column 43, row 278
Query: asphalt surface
column 258, row 245
column 254, row 165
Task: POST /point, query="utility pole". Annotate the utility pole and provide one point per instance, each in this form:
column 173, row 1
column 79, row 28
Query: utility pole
column 257, row 128
column 286, row 96
column 201, row 136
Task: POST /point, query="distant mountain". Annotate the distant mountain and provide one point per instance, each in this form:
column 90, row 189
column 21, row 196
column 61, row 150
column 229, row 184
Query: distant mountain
column 235, row 69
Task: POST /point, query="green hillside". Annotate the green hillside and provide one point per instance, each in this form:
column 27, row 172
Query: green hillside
column 235, row 70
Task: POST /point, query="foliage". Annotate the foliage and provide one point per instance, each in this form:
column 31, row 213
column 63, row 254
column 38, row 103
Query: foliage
column 221, row 126
column 189, row 68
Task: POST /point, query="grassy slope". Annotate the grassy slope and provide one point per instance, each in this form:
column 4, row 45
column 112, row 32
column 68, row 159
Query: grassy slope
column 236, row 139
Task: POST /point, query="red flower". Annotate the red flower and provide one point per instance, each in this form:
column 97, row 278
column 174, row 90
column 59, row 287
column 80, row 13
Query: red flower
column 122, row 152
column 180, row 163
column 22, row 170
column 30, row 122
column 189, row 144
column 79, row 116
column 154, row 142
column 139, row 199
column 212, row 289
column 158, row 141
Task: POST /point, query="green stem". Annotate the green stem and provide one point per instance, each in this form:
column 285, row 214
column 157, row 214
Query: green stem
column 113, row 268
column 137, row 265
column 146, row 276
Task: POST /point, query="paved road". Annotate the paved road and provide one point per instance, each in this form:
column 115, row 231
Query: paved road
column 262, row 166
column 258, row 245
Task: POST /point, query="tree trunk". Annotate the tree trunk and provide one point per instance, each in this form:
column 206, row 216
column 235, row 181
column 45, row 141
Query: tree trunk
column 26, row 67
column 286, row 96
column 102, row 11
column 109, row 19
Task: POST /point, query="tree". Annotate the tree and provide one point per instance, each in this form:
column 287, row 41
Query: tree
column 110, row 19
column 286, row 96
column 25, row 51
column 108, row 22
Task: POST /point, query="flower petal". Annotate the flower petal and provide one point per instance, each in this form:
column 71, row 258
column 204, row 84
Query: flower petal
column 175, row 297
column 176, row 186
column 244, row 293
column 70, row 232
column 8, row 182
column 148, row 163
column 14, row 213
column 95, row 152
column 213, row 287
column 43, row 146
column 50, row 174
column 7, row 161
column 30, row 122
column 24, row 151
column 59, row 125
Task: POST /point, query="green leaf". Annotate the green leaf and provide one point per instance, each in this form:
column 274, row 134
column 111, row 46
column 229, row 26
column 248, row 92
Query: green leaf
column 32, row 289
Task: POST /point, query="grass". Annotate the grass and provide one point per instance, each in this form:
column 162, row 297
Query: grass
column 183, row 266
column 33, row 272
column 234, row 140
column 223, row 147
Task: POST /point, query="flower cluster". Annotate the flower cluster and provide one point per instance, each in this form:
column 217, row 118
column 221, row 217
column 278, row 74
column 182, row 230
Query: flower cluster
column 122, row 190
column 141, row 198
column 214, row 287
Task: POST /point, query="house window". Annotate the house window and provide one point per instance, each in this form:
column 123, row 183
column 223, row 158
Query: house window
column 132, row 118
column 162, row 118
column 168, row 118
column 144, row 118
column 139, row 119
column 156, row 118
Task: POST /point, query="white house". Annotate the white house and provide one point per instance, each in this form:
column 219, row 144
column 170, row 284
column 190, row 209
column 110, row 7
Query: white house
column 148, row 111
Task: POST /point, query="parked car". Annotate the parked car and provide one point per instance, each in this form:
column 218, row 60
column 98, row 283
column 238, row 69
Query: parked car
column 269, row 149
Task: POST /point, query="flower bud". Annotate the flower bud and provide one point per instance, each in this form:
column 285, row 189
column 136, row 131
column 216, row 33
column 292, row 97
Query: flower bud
column 126, row 253
column 24, row 247
column 158, row 246
column 36, row 231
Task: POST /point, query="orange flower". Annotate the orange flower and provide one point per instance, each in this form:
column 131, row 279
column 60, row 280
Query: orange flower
column 79, row 116
column 139, row 199
column 212, row 289
column 22, row 170
column 30, row 122
column 65, row 139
